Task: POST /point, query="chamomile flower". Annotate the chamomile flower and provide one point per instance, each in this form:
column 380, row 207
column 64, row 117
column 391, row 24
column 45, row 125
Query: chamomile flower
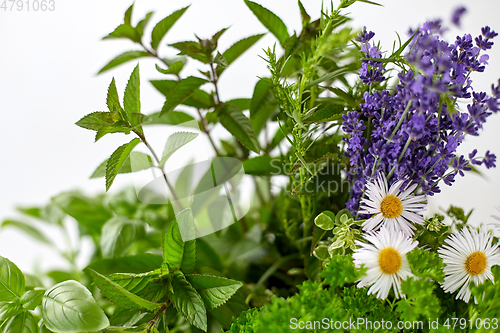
column 468, row 256
column 385, row 260
column 392, row 207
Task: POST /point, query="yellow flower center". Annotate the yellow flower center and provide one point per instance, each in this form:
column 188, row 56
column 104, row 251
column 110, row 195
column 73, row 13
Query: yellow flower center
column 476, row 263
column 389, row 260
column 391, row 206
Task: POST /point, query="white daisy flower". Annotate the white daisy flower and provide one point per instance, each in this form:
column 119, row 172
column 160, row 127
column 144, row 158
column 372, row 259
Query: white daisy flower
column 392, row 207
column 468, row 256
column 385, row 260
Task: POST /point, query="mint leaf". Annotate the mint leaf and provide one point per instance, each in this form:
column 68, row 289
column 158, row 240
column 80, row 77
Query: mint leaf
column 142, row 328
column 262, row 104
column 199, row 99
column 184, row 183
column 11, row 281
column 142, row 24
column 215, row 38
column 174, row 142
column 96, row 120
column 162, row 27
column 135, row 283
column 225, row 313
column 128, row 14
column 136, row 161
column 214, row 290
column 113, row 102
column 89, row 212
column 70, row 307
column 240, row 103
column 262, row 96
column 272, row 22
column 181, row 92
column 188, row 302
column 115, row 121
column 177, row 253
column 123, row 58
column 121, row 296
column 118, row 234
column 239, row 126
column 171, row 118
column 117, row 159
column 174, row 69
column 124, row 31
column 112, row 129
column 27, row 229
column 237, row 49
column 305, row 17
column 139, row 263
column 131, row 100
column 192, row 49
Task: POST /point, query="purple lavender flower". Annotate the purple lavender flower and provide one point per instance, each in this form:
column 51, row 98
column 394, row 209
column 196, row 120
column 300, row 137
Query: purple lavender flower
column 371, row 71
column 489, row 160
column 450, row 178
column 433, row 27
column 364, row 36
column 461, row 164
column 464, row 43
column 370, row 75
column 457, row 15
column 488, row 33
column 417, row 125
column 492, row 104
column 414, row 128
column 478, row 113
column 496, row 90
column 483, row 44
column 473, row 159
column 483, row 59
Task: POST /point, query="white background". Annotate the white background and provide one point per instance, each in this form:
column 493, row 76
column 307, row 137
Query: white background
column 48, row 66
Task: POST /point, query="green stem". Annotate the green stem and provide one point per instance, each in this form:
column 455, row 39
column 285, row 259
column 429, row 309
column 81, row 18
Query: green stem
column 304, row 207
column 400, row 121
column 214, row 81
column 153, row 322
column 162, row 169
column 207, row 132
